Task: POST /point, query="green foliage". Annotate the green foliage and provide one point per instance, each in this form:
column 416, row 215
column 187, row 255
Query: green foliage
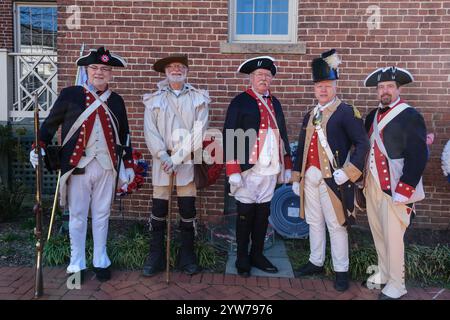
column 10, row 237
column 6, row 139
column 11, row 200
column 128, row 250
column 10, row 142
column 426, row 265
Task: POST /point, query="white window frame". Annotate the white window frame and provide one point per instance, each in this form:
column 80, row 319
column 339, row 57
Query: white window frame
column 291, row 37
column 17, row 5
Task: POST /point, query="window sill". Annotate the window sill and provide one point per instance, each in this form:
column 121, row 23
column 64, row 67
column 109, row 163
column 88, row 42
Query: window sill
column 287, row 48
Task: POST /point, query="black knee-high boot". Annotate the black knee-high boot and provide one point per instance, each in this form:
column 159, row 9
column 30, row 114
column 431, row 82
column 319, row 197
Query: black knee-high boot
column 156, row 261
column 259, row 231
column 187, row 259
column 244, row 222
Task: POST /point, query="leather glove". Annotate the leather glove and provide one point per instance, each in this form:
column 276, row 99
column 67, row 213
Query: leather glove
column 296, row 188
column 34, row 159
column 399, row 199
column 167, row 163
column 236, row 180
column 287, row 175
column 340, row 177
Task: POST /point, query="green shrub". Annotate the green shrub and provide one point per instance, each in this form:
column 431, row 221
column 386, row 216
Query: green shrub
column 128, row 251
column 11, row 200
column 427, row 265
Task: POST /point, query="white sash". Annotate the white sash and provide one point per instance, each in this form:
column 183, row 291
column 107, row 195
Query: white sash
column 395, row 165
column 86, row 113
column 106, row 108
column 281, row 142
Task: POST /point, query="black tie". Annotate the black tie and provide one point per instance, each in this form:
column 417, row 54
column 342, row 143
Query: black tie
column 383, row 110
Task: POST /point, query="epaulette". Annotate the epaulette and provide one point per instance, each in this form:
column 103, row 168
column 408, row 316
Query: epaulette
column 356, row 112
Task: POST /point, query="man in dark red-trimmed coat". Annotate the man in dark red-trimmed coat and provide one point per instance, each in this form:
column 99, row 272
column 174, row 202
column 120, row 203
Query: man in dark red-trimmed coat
column 393, row 177
column 257, row 156
column 90, row 131
column 331, row 126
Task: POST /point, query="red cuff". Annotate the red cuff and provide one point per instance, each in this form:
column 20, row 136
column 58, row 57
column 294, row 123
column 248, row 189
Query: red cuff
column 287, row 162
column 404, row 189
column 232, row 167
column 41, row 144
column 128, row 164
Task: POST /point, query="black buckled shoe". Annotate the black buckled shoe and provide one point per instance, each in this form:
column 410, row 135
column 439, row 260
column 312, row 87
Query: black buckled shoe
column 341, row 282
column 243, row 269
column 191, row 269
column 153, row 266
column 310, row 269
column 262, row 263
column 102, row 274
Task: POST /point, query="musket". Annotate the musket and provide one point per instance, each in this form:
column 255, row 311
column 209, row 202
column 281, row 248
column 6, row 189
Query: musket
column 37, row 209
column 171, row 177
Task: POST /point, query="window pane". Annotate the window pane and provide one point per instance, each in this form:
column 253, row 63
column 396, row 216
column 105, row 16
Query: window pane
column 244, row 23
column 280, row 23
column 262, row 5
column 38, row 27
column 262, row 23
column 280, row 5
column 244, row 5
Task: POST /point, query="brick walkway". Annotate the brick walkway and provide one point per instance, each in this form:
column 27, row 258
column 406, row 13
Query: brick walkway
column 18, row 283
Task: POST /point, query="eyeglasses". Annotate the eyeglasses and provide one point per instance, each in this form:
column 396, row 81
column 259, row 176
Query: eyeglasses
column 102, row 69
column 263, row 75
column 176, row 66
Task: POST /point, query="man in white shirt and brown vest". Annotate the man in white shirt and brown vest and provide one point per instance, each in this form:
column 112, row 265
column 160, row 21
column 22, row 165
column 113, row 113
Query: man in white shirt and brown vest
column 393, row 177
column 175, row 121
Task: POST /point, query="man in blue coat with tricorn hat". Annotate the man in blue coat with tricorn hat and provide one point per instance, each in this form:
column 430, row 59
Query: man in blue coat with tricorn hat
column 94, row 134
column 393, row 177
column 325, row 169
column 257, row 156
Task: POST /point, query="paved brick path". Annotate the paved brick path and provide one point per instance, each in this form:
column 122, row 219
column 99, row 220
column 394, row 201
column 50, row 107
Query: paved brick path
column 18, row 283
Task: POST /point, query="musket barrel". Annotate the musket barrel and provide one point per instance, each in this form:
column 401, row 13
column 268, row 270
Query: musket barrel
column 37, row 210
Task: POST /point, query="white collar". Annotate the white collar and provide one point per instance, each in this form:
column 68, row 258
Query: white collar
column 322, row 107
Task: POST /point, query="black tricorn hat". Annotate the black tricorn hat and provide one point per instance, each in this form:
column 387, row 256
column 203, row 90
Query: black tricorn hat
column 326, row 67
column 399, row 75
column 263, row 62
column 160, row 65
column 101, row 56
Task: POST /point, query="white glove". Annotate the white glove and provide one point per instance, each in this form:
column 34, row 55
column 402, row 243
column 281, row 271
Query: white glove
column 287, row 175
column 123, row 179
column 236, row 180
column 167, row 163
column 399, row 199
column 296, row 188
column 340, row 177
column 34, row 159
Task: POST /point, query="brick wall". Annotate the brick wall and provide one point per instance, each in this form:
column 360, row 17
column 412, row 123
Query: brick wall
column 413, row 34
column 6, row 24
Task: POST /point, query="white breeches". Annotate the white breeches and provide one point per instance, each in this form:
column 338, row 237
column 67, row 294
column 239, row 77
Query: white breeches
column 89, row 191
column 319, row 215
column 256, row 188
column 387, row 231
